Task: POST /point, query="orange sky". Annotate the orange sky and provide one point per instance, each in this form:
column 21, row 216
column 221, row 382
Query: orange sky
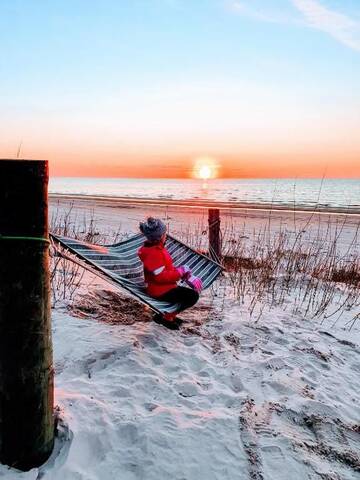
column 288, row 141
column 246, row 165
column 143, row 89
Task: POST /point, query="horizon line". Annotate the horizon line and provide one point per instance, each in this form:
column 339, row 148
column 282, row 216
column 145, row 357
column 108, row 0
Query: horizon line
column 300, row 177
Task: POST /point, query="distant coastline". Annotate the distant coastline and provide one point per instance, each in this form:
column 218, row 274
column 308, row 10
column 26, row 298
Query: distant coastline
column 328, row 195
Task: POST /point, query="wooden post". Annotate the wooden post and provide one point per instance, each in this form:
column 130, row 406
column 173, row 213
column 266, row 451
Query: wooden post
column 26, row 364
column 214, row 234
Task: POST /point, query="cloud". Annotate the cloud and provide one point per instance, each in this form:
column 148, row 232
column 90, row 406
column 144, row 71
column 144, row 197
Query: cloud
column 338, row 25
column 243, row 8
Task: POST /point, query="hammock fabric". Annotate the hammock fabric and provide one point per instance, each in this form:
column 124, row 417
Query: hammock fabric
column 120, row 265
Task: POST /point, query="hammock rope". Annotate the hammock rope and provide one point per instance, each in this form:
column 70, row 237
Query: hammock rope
column 25, row 239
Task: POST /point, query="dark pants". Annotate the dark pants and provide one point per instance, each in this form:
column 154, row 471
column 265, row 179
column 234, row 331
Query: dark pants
column 185, row 296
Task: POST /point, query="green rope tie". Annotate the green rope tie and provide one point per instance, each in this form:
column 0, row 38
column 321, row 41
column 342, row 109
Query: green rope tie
column 26, row 239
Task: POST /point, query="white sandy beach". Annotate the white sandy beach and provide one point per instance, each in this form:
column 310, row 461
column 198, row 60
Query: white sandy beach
column 225, row 397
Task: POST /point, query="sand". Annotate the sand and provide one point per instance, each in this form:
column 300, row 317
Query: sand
column 275, row 400
column 226, row 397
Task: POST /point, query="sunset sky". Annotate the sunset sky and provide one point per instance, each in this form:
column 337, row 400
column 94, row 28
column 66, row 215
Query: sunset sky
column 267, row 88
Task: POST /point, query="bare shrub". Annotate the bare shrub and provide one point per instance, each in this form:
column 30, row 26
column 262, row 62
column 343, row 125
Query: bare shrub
column 66, row 275
column 307, row 271
column 69, row 223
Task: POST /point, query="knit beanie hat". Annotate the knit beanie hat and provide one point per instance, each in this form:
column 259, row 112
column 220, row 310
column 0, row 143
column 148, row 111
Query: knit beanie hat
column 153, row 228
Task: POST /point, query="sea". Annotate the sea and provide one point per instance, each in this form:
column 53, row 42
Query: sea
column 332, row 194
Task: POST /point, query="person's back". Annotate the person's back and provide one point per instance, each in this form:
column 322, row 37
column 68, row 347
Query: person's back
column 159, row 273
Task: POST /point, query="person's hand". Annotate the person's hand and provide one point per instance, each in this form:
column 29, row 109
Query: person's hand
column 195, row 283
column 184, row 271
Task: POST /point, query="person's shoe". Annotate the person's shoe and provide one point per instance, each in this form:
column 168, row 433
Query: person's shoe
column 171, row 317
column 168, row 320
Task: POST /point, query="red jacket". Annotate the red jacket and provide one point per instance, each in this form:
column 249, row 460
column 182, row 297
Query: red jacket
column 159, row 271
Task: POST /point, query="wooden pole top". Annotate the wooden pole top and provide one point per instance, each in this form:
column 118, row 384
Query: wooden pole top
column 23, row 191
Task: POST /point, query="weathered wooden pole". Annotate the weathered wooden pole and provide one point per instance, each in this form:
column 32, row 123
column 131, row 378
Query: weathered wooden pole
column 214, row 234
column 26, row 364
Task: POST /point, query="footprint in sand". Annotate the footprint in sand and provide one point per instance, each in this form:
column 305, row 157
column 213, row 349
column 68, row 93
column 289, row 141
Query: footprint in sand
column 276, row 363
column 236, row 383
column 255, row 422
column 187, row 389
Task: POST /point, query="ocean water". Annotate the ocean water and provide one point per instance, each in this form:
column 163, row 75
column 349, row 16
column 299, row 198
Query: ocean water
column 328, row 193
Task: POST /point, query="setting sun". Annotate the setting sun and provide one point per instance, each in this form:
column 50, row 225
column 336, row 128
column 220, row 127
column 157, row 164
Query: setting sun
column 205, row 168
column 205, row 172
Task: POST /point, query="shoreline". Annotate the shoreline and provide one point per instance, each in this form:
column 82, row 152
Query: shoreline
column 203, row 204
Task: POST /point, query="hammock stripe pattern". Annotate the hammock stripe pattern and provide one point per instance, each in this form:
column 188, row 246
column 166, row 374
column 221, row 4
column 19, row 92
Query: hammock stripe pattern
column 120, row 264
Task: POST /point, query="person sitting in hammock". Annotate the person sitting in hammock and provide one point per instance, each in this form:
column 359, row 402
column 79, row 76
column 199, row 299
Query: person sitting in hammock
column 161, row 276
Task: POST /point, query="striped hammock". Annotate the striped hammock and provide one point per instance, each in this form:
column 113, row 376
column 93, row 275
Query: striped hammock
column 120, row 265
